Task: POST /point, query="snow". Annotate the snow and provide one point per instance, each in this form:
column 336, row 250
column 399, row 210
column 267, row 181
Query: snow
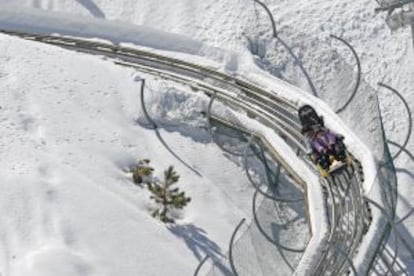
column 69, row 137
column 226, row 24
column 42, row 22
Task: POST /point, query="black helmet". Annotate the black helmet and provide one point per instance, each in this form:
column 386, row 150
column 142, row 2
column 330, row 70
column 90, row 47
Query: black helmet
column 309, row 118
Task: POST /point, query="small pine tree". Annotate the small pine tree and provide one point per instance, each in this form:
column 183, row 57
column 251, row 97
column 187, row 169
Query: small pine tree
column 167, row 197
column 141, row 170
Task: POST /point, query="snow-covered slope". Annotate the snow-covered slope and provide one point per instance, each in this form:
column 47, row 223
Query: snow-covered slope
column 228, row 24
column 69, row 135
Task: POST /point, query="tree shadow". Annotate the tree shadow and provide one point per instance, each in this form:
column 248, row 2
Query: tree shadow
column 92, row 8
column 196, row 240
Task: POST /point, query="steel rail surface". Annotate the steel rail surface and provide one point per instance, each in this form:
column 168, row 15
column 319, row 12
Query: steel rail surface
column 232, row 239
column 409, row 119
column 358, row 79
column 200, row 265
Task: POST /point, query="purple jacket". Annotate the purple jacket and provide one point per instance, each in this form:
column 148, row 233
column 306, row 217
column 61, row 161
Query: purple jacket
column 323, row 140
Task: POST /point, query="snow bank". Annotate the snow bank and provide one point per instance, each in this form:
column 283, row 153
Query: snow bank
column 17, row 18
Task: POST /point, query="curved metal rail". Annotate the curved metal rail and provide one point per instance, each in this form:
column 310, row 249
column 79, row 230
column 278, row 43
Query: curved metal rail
column 200, row 265
column 288, row 49
column 410, row 121
column 276, row 243
column 287, row 254
column 232, row 239
column 271, row 110
column 358, row 78
column 144, row 108
column 347, row 222
column 257, row 187
column 344, row 230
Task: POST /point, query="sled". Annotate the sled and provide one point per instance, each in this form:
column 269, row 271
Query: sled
column 335, row 166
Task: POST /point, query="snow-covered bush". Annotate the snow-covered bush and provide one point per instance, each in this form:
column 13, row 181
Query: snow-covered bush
column 142, row 173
